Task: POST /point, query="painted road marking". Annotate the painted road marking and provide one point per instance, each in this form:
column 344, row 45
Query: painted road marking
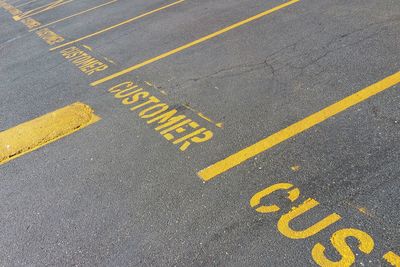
column 117, row 25
column 198, row 41
column 338, row 240
column 167, row 120
column 86, row 63
column 41, row 9
column 10, row 8
column 198, row 113
column 43, row 130
column 392, row 258
column 30, row 23
column 50, row 37
column 74, row 15
column 24, row 4
column 296, row 128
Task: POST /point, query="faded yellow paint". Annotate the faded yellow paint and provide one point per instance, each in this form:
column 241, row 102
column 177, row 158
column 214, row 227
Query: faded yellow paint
column 116, row 25
column 27, row 3
column 49, row 36
column 41, row 9
column 173, row 126
column 88, row 47
column 30, row 23
column 296, row 128
column 48, row 128
column 295, row 168
column 392, row 258
column 198, row 113
column 86, row 63
column 198, row 41
column 74, row 15
column 338, row 240
column 10, row 8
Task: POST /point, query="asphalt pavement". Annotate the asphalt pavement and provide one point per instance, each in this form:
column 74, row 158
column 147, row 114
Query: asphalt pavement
column 226, row 133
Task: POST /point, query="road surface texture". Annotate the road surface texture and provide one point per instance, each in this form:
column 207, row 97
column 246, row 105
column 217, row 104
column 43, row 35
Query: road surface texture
column 200, row 133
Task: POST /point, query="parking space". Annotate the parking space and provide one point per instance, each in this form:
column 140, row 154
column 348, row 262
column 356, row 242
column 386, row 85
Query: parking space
column 231, row 133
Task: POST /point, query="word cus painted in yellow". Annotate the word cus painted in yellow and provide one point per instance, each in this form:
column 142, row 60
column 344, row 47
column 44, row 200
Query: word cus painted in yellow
column 85, row 62
column 176, row 128
column 49, row 36
column 338, row 240
column 11, row 9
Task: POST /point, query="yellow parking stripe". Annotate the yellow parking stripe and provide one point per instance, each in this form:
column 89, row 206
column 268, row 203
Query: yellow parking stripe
column 24, row 4
column 298, row 127
column 186, row 46
column 116, row 25
column 41, row 131
column 41, row 9
column 74, row 15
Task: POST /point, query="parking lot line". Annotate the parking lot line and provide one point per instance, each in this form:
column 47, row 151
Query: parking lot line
column 117, row 25
column 43, row 130
column 296, row 128
column 24, row 4
column 41, row 9
column 198, row 41
column 73, row 15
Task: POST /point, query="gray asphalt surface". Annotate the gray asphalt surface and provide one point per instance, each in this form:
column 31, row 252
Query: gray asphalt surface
column 117, row 193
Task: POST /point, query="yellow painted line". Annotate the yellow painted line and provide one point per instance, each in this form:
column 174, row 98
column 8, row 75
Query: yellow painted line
column 198, row 41
column 392, row 258
column 296, row 128
column 74, row 15
column 41, row 9
column 117, row 25
column 43, row 130
column 24, row 4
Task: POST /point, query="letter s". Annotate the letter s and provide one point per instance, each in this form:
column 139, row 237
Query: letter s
column 338, row 239
column 134, row 98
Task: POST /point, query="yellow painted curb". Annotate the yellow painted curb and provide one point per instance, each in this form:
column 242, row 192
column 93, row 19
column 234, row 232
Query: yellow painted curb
column 48, row 128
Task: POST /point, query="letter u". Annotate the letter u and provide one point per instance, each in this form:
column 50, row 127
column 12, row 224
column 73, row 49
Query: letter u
column 284, row 221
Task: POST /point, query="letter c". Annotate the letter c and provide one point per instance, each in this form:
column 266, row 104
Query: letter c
column 256, row 199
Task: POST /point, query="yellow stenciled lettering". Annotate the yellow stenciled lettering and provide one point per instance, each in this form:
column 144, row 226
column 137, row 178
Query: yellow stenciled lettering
column 117, row 87
column 338, row 240
column 41, row 9
column 152, row 99
column 392, row 258
column 94, row 66
column 136, row 97
column 81, row 59
column 101, row 68
column 128, row 92
column 181, row 129
column 49, row 37
column 87, row 63
column 283, row 223
column 187, row 138
column 256, row 199
column 203, row 137
column 173, row 127
column 71, row 52
column 30, row 23
column 197, row 136
column 160, row 109
column 166, row 119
